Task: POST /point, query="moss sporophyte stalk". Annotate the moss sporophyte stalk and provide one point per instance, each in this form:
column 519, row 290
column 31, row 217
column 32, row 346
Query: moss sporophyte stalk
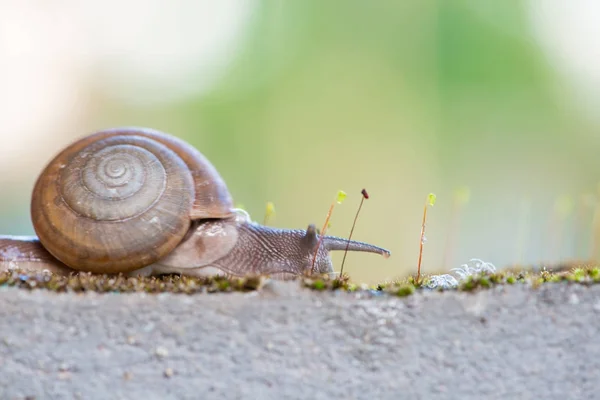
column 341, row 195
column 364, row 196
column 428, row 203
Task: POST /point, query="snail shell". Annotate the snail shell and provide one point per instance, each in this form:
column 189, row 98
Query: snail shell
column 119, row 200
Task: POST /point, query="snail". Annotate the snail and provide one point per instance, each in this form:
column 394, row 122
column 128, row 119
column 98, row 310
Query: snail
column 138, row 201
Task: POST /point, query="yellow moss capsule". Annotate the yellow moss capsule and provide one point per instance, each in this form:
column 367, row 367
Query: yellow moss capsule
column 341, row 195
column 431, row 199
column 270, row 210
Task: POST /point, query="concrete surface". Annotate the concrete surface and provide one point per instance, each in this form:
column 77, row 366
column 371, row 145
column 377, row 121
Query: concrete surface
column 290, row 343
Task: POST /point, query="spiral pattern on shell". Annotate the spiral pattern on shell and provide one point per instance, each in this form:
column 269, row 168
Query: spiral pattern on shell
column 117, row 201
column 116, row 182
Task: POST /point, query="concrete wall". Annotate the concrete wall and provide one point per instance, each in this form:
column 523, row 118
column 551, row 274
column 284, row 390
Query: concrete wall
column 290, row 343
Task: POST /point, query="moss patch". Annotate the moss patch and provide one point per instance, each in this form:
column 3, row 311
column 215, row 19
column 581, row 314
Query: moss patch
column 86, row 282
column 586, row 274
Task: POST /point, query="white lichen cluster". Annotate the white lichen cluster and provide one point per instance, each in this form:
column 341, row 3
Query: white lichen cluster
column 473, row 267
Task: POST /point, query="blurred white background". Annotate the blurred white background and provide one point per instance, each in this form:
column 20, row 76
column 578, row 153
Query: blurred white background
column 293, row 101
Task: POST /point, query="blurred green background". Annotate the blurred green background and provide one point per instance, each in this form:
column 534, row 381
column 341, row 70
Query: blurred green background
column 491, row 105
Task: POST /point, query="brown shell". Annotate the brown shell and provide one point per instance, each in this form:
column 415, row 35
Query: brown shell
column 121, row 199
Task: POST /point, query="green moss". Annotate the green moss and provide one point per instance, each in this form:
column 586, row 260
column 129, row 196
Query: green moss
column 326, row 282
column 581, row 274
column 223, row 285
column 577, row 275
column 318, row 285
column 85, row 282
column 485, row 282
column 468, row 284
column 405, row 290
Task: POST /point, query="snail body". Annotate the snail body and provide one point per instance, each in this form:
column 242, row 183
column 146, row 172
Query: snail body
column 139, row 201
